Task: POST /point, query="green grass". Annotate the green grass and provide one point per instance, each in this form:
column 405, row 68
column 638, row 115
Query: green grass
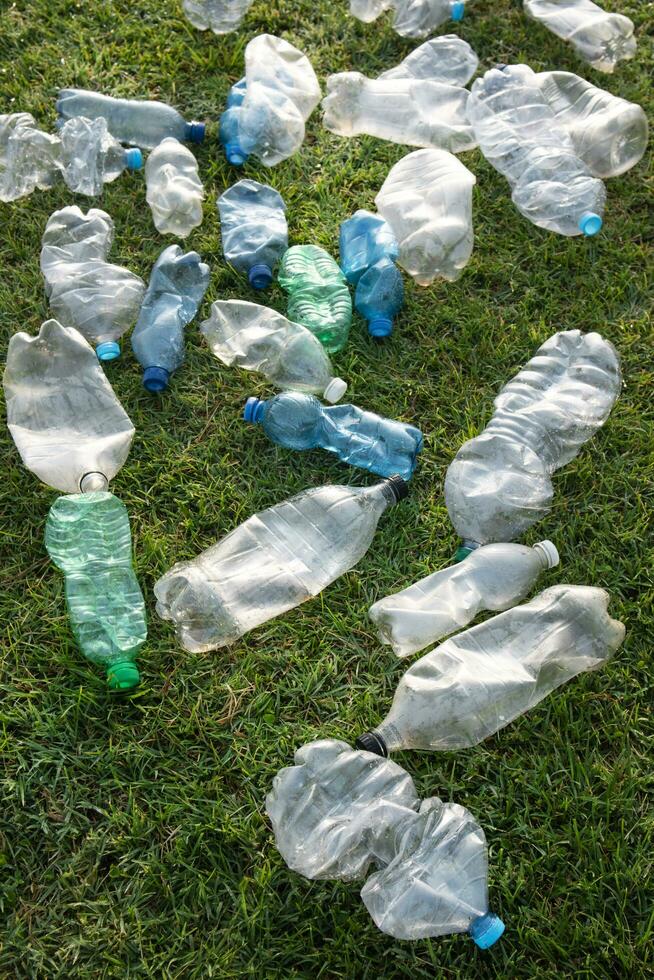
column 134, row 841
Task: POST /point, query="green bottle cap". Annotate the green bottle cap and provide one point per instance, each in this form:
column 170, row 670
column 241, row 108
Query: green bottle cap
column 122, row 675
column 461, row 553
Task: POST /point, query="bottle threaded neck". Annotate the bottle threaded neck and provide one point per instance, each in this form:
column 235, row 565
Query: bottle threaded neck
column 372, row 742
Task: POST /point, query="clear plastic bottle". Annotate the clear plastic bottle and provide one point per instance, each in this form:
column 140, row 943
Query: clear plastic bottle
column 140, row 123
column 99, row 299
column 519, row 135
column 447, row 59
column 92, row 157
column 499, row 483
column 274, row 561
column 220, row 16
column 363, row 240
column 256, row 338
column 253, row 229
column 496, row 577
column 427, row 201
column 69, row 427
column 416, row 112
column 600, row 38
column 608, row 133
column 228, row 131
column 174, row 189
column 29, row 158
column 318, row 296
column 379, row 297
column 177, row 286
column 298, row 421
column 479, row 681
column 413, row 18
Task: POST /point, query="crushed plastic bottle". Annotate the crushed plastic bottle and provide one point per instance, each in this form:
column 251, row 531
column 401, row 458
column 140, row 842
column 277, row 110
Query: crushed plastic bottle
column 427, row 201
column 363, row 240
column 256, row 338
column 29, row 158
column 254, row 230
column 177, row 286
column 417, row 112
column 318, row 296
column 412, row 18
column 479, row 681
column 608, row 133
column 379, row 297
column 228, row 130
column 220, row 16
column 133, row 121
column 600, row 38
column 499, row 483
column 519, row 135
column 92, row 157
column 494, row 577
column 274, row 561
column 174, row 189
column 85, row 291
column 298, row 421
column 447, row 59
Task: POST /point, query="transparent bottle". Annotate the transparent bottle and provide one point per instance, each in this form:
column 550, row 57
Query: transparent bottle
column 318, row 296
column 220, row 16
column 29, row 158
column 412, row 18
column 499, row 483
column 92, row 157
column 253, row 229
column 519, row 135
column 479, row 681
column 140, row 123
column 174, row 189
column 298, row 421
column 608, row 133
column 495, row 577
column 177, row 286
column 256, row 338
column 272, row 562
column 447, row 58
column 600, row 38
column 363, row 240
column 427, row 201
column 228, row 130
column 379, row 297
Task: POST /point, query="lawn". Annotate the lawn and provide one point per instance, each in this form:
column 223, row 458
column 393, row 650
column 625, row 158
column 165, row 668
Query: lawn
column 134, row 840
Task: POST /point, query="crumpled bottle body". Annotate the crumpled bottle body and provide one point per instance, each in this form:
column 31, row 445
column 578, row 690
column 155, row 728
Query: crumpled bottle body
column 603, row 39
column 220, row 16
column 29, row 158
column 318, row 296
column 174, row 189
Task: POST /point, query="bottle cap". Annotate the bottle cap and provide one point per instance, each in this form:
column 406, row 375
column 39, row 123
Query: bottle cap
column 486, row 930
column 457, row 10
column 195, row 132
column 372, row 742
column 93, row 482
column 253, row 411
column 122, row 675
column 334, row 390
column 108, row 351
column 380, row 327
column 399, row 486
column 260, row 276
column 133, row 158
column 155, row 379
column 462, row 552
column 590, row 223
column 235, row 155
column 549, row 550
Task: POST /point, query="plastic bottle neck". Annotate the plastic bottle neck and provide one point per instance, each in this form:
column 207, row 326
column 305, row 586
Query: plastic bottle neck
column 253, row 410
column 466, row 547
column 194, row 132
column 394, row 489
column 93, row 482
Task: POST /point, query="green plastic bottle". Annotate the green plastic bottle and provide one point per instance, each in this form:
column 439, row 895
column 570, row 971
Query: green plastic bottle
column 87, row 535
column 318, row 294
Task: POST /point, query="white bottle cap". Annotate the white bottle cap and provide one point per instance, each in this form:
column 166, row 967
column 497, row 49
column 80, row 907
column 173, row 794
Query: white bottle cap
column 548, row 548
column 334, row 390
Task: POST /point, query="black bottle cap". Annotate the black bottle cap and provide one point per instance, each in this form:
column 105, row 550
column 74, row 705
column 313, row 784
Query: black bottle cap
column 372, row 742
column 399, row 487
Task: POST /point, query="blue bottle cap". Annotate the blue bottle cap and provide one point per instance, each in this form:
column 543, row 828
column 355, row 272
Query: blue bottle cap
column 195, row 132
column 486, row 930
column 381, row 326
column 458, row 9
column 235, row 155
column 133, row 158
column 590, row 223
column 253, row 411
column 155, row 379
column 260, row 276
column 108, row 351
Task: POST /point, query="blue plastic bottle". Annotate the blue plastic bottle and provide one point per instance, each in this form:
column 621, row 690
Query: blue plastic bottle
column 254, row 230
column 176, row 289
column 298, row 421
column 379, row 297
column 229, row 125
column 363, row 240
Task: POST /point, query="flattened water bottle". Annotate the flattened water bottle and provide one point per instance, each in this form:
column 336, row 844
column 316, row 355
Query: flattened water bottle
column 363, row 240
column 413, row 18
column 220, row 16
column 379, row 297
column 603, row 39
column 92, row 157
column 29, row 158
column 174, row 189
column 318, row 296
column 254, row 230
column 447, row 58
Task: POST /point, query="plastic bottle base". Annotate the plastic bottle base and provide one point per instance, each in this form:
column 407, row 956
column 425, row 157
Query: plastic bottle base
column 155, row 379
column 108, row 351
column 123, row 675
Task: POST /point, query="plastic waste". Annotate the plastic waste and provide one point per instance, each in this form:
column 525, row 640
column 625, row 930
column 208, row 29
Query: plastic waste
column 177, row 286
column 363, row 240
column 140, row 123
column 256, row 338
column 318, row 296
column 220, row 16
column 447, row 58
column 495, row 577
column 519, row 135
column 479, row 681
column 228, row 130
column 412, row 18
column 427, row 201
column 29, row 158
column 174, row 189
column 608, row 133
column 417, row 112
column 499, row 483
column 274, row 561
column 254, row 230
column 379, row 297
column 99, row 299
column 298, row 421
column 600, row 38
column 92, row 157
